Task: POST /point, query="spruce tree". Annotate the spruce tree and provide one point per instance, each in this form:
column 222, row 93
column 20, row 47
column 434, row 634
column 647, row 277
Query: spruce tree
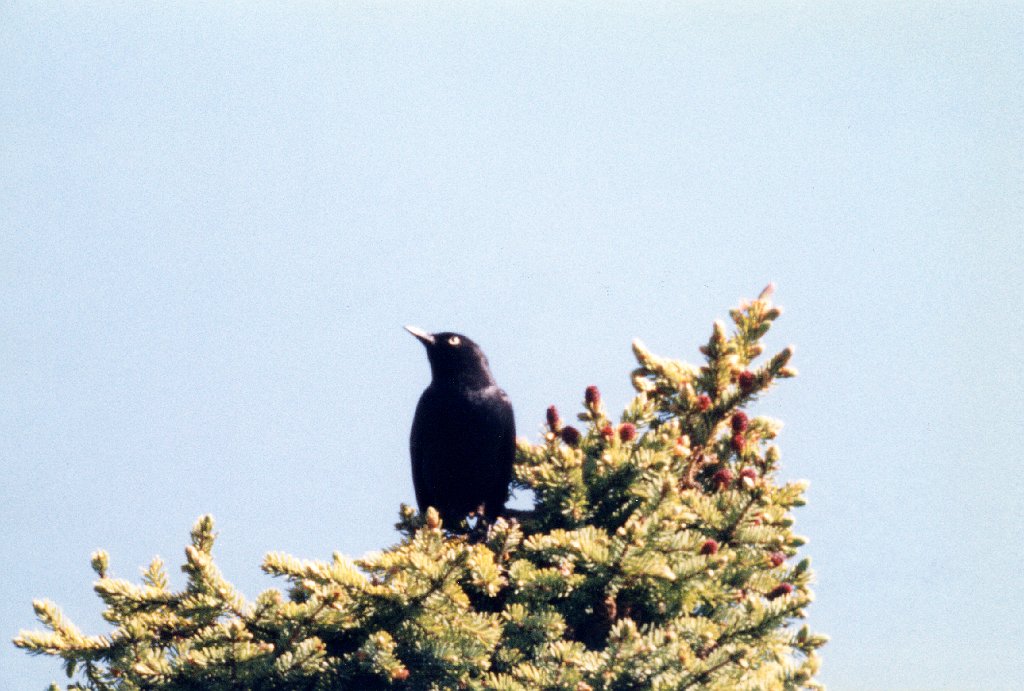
column 659, row 554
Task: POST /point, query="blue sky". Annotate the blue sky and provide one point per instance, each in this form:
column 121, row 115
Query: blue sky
column 217, row 217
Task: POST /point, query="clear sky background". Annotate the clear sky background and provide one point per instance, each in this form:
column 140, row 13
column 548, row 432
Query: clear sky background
column 216, row 217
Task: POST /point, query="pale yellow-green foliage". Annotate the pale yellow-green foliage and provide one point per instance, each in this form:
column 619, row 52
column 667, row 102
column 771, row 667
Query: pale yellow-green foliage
column 659, row 554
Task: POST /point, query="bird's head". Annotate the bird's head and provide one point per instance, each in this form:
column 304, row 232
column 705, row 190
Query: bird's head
column 454, row 359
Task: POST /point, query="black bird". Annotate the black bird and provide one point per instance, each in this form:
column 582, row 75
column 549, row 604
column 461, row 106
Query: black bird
column 463, row 435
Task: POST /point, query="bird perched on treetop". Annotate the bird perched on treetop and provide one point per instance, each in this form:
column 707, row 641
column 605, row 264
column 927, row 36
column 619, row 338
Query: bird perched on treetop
column 463, row 434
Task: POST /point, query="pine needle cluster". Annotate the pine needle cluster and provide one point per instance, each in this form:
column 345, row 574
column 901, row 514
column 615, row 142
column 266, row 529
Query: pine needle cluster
column 659, row 555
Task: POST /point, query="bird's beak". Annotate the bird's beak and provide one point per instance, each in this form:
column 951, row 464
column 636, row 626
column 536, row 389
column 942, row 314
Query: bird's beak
column 425, row 338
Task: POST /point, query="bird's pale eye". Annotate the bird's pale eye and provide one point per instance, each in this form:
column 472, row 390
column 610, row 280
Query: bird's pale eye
column 454, row 340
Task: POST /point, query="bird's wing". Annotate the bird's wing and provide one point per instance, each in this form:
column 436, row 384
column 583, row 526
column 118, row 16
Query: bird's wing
column 504, row 424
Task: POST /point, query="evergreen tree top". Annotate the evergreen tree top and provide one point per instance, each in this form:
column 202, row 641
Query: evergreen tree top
column 659, row 554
